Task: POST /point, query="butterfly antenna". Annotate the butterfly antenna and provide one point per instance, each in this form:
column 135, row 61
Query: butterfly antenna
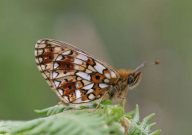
column 141, row 66
column 145, row 63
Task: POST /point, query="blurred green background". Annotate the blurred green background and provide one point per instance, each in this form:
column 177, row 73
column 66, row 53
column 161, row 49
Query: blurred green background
column 124, row 33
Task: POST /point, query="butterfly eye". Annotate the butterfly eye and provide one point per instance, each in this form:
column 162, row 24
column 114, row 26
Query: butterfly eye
column 130, row 79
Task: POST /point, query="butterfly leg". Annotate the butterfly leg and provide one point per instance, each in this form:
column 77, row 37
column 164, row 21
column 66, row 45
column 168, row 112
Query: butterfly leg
column 99, row 102
column 123, row 97
column 121, row 100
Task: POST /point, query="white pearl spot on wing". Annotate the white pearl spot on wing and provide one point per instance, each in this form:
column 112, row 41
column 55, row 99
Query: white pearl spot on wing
column 103, row 85
column 106, row 81
column 39, row 51
column 57, row 83
column 84, row 75
column 40, row 59
column 82, row 57
column 91, row 68
column 78, row 94
column 77, row 84
column 78, row 61
column 60, row 57
column 90, row 91
column 60, row 92
column 91, row 96
column 55, row 74
column 99, row 67
column 66, row 52
column 56, row 65
column 87, row 87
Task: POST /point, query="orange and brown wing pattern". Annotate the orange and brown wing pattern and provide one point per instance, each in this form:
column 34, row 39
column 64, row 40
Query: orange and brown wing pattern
column 75, row 76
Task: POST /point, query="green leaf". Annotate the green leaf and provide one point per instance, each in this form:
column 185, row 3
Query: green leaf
column 105, row 120
column 64, row 123
column 143, row 127
column 106, row 102
column 136, row 115
column 53, row 110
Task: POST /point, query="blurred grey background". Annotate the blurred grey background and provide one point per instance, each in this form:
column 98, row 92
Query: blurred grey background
column 124, row 33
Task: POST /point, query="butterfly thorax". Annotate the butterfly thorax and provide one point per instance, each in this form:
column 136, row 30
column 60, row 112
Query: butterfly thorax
column 121, row 90
column 123, row 78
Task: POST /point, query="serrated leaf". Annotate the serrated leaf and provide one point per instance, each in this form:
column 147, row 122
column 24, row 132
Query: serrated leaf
column 156, row 132
column 146, row 120
column 86, row 123
column 52, row 110
column 106, row 120
column 136, row 115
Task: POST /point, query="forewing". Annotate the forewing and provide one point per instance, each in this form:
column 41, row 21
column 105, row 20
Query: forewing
column 75, row 76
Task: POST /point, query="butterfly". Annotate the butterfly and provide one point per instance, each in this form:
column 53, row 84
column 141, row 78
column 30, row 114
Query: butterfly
column 76, row 77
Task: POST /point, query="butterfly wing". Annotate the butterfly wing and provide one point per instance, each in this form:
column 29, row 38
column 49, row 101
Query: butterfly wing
column 75, row 76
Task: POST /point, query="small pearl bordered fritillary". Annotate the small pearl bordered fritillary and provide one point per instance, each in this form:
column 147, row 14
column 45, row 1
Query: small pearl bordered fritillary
column 77, row 77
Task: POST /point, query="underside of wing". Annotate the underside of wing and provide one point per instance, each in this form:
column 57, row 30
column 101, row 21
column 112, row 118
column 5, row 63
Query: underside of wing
column 75, row 76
